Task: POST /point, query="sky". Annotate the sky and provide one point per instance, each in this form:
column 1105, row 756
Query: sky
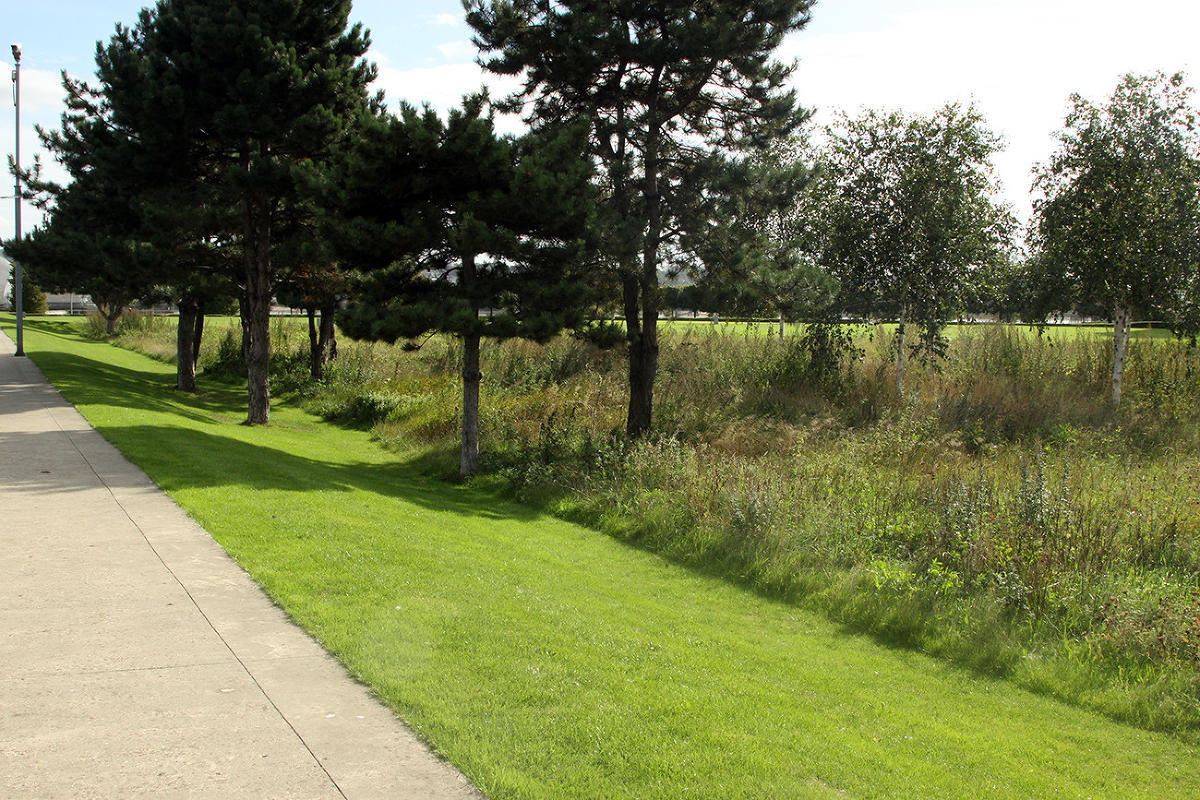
column 1017, row 60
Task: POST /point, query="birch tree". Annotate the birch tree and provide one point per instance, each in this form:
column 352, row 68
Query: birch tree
column 909, row 215
column 1118, row 219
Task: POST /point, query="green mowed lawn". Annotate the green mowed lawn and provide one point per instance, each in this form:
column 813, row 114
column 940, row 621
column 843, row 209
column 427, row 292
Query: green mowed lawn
column 546, row 660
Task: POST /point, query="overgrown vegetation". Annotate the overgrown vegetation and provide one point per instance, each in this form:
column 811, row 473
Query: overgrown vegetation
column 1003, row 515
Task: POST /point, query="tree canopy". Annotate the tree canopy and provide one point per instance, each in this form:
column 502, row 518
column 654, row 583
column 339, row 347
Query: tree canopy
column 96, row 240
column 667, row 90
column 231, row 102
column 909, row 217
column 1119, row 221
column 458, row 221
column 761, row 245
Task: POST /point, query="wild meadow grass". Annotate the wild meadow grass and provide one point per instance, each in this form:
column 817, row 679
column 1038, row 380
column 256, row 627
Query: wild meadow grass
column 1002, row 516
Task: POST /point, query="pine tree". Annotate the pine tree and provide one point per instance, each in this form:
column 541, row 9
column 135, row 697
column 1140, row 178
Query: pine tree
column 317, row 286
column 455, row 221
column 662, row 87
column 86, row 246
column 760, row 241
column 94, row 240
column 232, row 100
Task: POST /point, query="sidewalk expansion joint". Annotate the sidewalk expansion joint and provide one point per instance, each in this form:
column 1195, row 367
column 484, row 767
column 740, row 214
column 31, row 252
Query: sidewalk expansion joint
column 67, row 434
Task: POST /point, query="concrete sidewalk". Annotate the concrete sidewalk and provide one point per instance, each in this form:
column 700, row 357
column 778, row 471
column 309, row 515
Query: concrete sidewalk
column 137, row 660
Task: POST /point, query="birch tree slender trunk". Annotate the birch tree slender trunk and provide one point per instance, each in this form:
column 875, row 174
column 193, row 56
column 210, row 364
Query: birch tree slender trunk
column 900, row 353
column 1122, row 317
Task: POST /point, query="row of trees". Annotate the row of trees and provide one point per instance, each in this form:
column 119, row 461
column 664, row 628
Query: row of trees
column 897, row 221
column 232, row 150
column 238, row 150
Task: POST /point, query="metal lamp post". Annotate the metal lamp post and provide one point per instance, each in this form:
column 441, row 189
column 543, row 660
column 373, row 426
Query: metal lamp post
column 18, row 277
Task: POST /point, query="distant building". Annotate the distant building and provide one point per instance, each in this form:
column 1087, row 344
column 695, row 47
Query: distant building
column 56, row 303
column 6, row 276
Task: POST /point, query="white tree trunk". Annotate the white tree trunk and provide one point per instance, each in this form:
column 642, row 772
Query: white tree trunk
column 900, row 354
column 1121, row 322
column 780, row 326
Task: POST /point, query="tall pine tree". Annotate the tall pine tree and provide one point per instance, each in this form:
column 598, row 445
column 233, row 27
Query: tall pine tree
column 459, row 221
column 94, row 240
column 662, row 86
column 234, row 99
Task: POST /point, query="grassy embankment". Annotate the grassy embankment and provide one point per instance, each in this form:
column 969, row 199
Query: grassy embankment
column 547, row 660
column 1004, row 516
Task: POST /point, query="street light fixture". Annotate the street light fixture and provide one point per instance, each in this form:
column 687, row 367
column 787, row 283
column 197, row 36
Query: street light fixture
column 18, row 276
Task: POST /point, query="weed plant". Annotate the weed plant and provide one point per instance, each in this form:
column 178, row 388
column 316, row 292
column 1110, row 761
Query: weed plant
column 1004, row 516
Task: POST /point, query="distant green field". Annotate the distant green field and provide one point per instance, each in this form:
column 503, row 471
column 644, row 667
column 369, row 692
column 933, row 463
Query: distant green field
column 791, row 329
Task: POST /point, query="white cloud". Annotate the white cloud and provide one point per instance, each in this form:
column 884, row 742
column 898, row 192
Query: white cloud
column 1018, row 61
column 457, row 50
column 41, row 92
column 443, row 87
column 41, row 104
column 445, row 19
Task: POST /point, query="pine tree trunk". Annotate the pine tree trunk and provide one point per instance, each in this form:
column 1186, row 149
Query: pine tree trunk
column 328, row 334
column 258, row 306
column 468, row 463
column 901, row 354
column 258, row 362
column 781, row 327
column 643, row 341
column 316, row 363
column 198, row 336
column 641, row 384
column 1121, row 325
column 185, row 346
column 469, row 460
column 244, row 318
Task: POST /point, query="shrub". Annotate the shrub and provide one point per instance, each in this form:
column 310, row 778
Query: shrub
column 33, row 299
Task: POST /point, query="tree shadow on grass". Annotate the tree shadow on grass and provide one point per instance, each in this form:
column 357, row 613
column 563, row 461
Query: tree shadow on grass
column 195, row 454
column 192, row 450
column 83, row 380
column 182, row 458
